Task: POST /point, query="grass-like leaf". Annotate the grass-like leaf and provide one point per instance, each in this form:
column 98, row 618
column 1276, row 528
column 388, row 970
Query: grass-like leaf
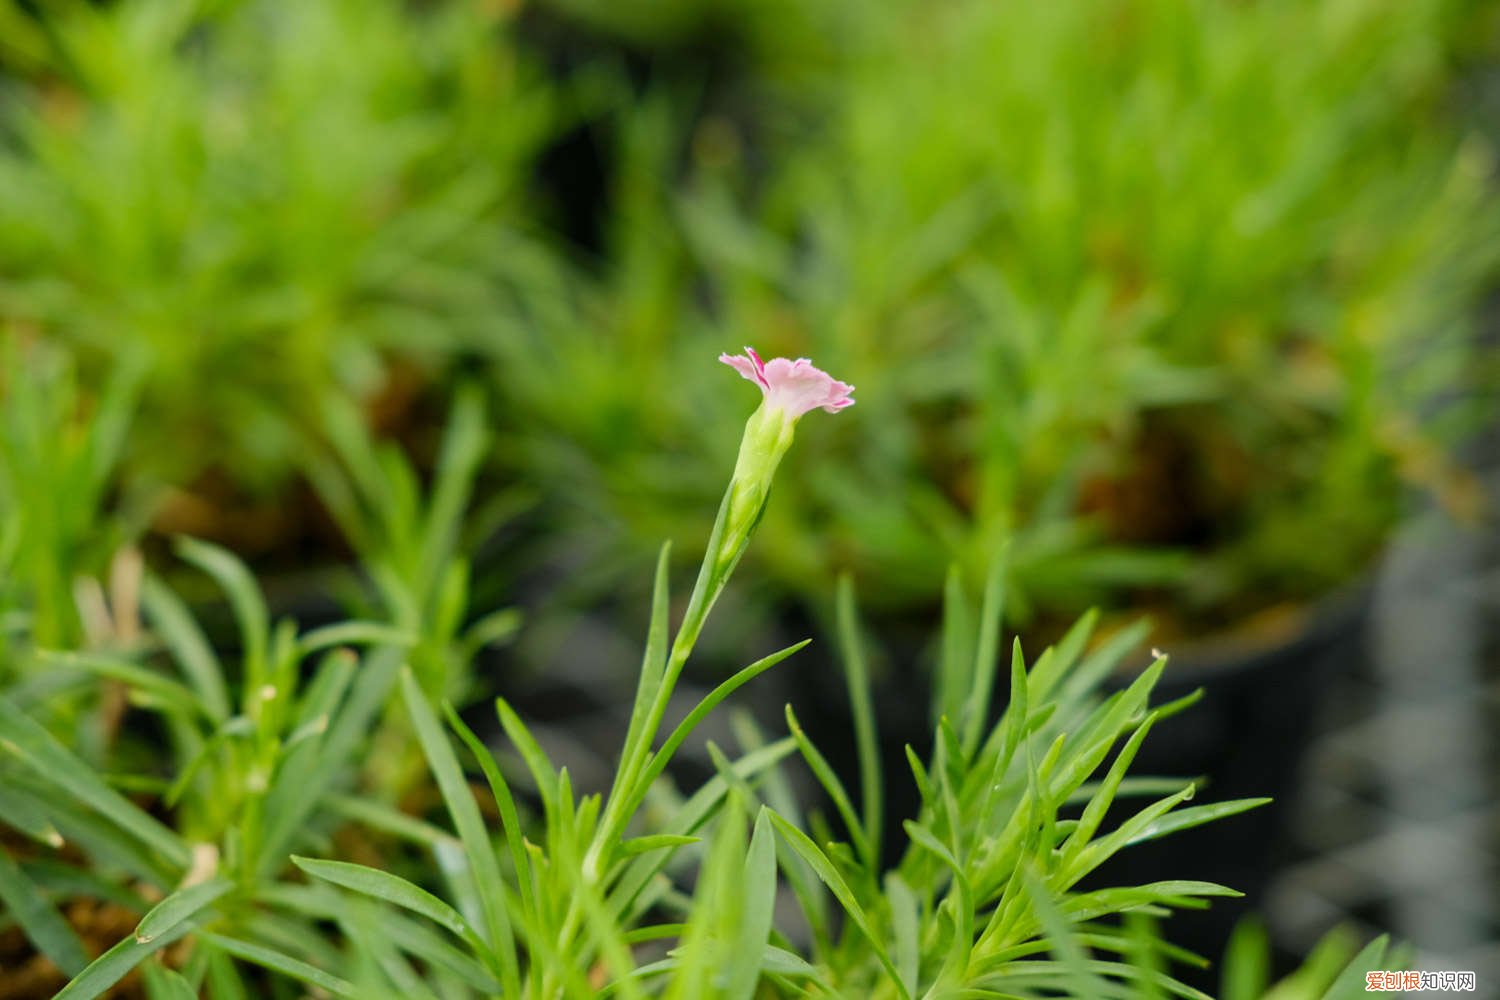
column 188, row 645
column 33, row 746
column 110, row 967
column 866, row 735
column 688, row 817
column 37, row 918
column 244, row 597
column 701, row 710
column 470, row 826
column 835, row 789
column 976, row 708
column 758, row 900
column 181, row 905
column 285, row 964
column 307, row 774
column 163, row 983
column 803, row 845
column 353, row 634
column 510, row 819
column 391, row 889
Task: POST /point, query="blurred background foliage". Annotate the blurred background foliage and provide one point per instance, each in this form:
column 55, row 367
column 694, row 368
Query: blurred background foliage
column 1179, row 296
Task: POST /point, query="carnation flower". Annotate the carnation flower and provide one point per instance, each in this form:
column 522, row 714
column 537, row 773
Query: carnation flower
column 789, row 389
column 793, row 387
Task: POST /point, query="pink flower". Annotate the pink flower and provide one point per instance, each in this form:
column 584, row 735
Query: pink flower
column 792, row 386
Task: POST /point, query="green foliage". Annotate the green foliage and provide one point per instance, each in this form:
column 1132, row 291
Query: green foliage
column 1116, row 280
column 635, row 892
column 412, row 541
column 985, row 901
column 1334, row 970
column 59, row 460
column 1162, row 290
column 253, row 750
column 260, row 207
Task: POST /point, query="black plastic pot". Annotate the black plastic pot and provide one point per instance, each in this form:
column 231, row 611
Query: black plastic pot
column 1247, row 737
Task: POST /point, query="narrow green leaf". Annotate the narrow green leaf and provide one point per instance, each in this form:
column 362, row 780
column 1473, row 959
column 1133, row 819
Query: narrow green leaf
column 179, row 907
column 703, row 955
column 41, row 924
column 61, row 880
column 780, row 962
column 1181, row 893
column 494, row 629
column 470, row 826
column 436, row 951
column 1055, row 927
column 95, row 837
column 1007, row 736
column 866, row 735
column 961, row 902
column 904, row 927
column 799, row 842
column 1094, row 812
column 354, row 634
column 608, row 935
column 188, row 645
column 244, row 597
column 1184, row 819
column 224, row 980
column 758, row 901
column 1097, row 852
column 163, row 983
column 776, row 791
column 110, row 967
column 284, row 964
column 689, row 817
column 537, row 762
column 919, row 776
column 23, row 814
column 1130, row 787
column 957, row 655
column 510, row 819
column 462, row 449
column 1054, row 665
column 1350, row 983
column 1247, row 962
column 391, row 889
column 36, row 748
column 653, row 665
column 654, row 842
column 305, row 776
column 976, row 710
column 330, row 682
column 388, row 819
column 146, row 684
column 710, row 701
column 835, row 789
column 1101, row 662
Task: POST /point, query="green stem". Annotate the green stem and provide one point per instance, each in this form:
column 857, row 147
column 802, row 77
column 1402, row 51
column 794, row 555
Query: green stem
column 719, row 562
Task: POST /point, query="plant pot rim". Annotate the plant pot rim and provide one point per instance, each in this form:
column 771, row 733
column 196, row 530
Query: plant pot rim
column 1286, row 632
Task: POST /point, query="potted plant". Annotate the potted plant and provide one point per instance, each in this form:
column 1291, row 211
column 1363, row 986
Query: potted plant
column 256, row 209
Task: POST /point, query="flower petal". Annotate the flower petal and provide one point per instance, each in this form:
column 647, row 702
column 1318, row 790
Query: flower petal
column 799, row 386
column 794, row 387
column 750, row 367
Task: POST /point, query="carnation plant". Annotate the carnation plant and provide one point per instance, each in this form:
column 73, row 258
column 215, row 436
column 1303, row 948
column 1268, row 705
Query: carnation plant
column 533, row 888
